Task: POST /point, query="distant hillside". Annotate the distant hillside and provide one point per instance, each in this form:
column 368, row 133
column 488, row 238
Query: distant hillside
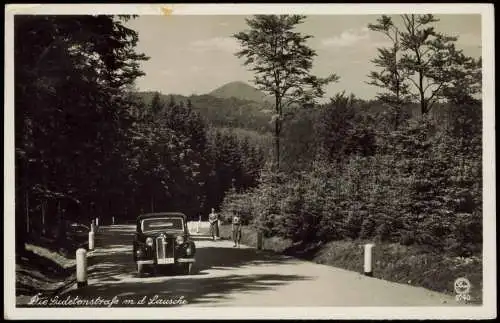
column 239, row 90
column 147, row 97
column 222, row 112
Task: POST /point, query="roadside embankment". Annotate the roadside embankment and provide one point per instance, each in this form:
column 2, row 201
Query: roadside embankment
column 412, row 265
column 40, row 269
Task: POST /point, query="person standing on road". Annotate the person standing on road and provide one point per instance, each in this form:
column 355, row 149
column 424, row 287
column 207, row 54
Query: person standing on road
column 217, row 235
column 213, row 219
column 236, row 228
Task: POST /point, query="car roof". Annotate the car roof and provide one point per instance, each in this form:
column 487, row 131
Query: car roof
column 162, row 214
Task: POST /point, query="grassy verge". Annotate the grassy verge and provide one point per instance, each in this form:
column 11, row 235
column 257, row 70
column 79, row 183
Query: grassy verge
column 40, row 270
column 408, row 265
column 249, row 238
column 46, row 266
column 411, row 265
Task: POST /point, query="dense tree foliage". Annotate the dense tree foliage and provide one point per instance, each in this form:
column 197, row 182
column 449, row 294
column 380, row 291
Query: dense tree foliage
column 87, row 146
column 421, row 184
column 71, row 111
column 224, row 112
column 423, row 64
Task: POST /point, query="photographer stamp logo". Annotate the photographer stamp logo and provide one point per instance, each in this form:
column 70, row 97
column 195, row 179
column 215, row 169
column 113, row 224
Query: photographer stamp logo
column 462, row 288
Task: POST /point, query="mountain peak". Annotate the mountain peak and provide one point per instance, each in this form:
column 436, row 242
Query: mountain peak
column 239, row 90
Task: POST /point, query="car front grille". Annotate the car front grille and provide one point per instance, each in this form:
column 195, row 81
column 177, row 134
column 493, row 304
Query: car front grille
column 164, row 248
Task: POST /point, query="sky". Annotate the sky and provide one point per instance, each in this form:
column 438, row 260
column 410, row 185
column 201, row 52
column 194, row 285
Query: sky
column 195, row 54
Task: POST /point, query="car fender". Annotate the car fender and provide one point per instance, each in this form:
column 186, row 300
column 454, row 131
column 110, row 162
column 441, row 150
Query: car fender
column 138, row 245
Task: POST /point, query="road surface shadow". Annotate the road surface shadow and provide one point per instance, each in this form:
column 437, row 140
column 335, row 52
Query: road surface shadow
column 112, row 272
column 115, row 255
column 195, row 291
column 229, row 257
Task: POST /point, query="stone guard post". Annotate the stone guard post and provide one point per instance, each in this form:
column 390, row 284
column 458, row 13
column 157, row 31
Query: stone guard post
column 91, row 240
column 368, row 270
column 81, row 267
column 260, row 239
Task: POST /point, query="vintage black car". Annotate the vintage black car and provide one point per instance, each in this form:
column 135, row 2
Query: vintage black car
column 162, row 239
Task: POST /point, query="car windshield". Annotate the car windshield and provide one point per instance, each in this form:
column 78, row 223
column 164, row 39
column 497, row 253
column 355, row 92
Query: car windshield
column 162, row 224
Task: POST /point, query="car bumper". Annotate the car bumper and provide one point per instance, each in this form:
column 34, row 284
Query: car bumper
column 178, row 260
column 185, row 260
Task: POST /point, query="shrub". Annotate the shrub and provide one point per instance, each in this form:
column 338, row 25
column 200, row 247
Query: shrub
column 422, row 187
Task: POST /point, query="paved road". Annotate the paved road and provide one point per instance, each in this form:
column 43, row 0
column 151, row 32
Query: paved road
column 227, row 276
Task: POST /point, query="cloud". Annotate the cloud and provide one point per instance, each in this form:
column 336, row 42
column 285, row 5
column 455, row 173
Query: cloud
column 347, row 38
column 226, row 44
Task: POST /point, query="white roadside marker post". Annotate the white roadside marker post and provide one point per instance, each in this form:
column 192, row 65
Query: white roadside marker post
column 97, row 222
column 198, row 225
column 368, row 270
column 92, row 226
column 91, row 240
column 113, row 220
column 81, row 268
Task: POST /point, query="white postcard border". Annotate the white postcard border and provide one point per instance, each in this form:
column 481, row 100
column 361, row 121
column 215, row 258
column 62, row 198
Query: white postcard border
column 487, row 310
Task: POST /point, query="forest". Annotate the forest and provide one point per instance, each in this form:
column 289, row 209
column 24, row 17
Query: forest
column 405, row 167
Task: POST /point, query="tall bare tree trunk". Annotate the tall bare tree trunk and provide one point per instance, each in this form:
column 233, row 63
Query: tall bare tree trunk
column 60, row 228
column 277, row 130
column 43, row 217
column 423, row 102
column 27, row 209
column 276, row 149
column 398, row 82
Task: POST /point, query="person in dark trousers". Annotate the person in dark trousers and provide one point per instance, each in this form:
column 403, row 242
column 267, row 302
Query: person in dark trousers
column 213, row 219
column 236, row 228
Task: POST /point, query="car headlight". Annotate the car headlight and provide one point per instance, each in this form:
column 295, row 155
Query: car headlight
column 179, row 239
column 149, row 241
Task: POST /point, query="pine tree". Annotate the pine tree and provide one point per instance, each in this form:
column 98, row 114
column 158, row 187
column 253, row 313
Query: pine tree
column 282, row 61
column 423, row 64
column 392, row 77
column 71, row 72
column 156, row 104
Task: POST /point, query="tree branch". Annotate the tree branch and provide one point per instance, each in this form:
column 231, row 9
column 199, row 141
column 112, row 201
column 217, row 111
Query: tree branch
column 429, row 85
column 429, row 101
column 414, row 83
